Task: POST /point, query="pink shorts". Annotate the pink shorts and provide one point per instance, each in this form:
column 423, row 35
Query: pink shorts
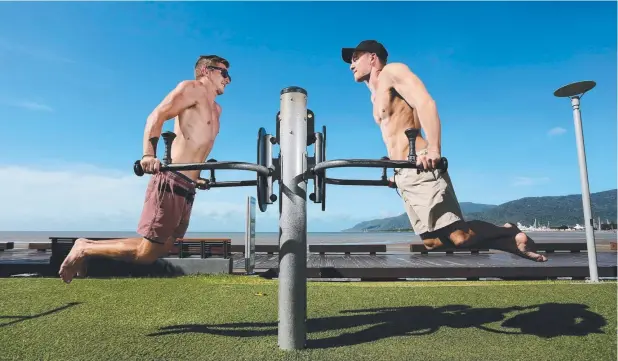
column 167, row 207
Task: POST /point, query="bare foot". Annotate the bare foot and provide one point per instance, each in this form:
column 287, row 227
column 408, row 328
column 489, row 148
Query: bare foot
column 74, row 262
column 82, row 268
column 524, row 246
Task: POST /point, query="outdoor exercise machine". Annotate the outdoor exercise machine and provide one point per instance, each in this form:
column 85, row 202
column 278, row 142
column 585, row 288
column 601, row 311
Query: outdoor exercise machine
column 295, row 131
column 293, row 169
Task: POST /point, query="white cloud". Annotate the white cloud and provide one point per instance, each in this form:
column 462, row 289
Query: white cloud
column 556, row 131
column 529, row 181
column 37, row 51
column 82, row 197
column 26, row 104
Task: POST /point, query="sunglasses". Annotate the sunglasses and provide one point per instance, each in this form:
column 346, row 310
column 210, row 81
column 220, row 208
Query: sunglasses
column 224, row 72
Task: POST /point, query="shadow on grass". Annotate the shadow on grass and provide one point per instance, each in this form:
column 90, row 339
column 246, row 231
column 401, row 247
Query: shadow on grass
column 543, row 320
column 46, row 313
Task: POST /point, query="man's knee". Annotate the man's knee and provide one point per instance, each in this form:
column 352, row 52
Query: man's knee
column 431, row 240
column 149, row 251
column 457, row 233
column 459, row 238
column 432, row 243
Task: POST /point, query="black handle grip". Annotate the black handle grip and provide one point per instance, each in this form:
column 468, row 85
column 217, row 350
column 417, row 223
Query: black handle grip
column 168, row 138
column 137, row 169
column 412, row 133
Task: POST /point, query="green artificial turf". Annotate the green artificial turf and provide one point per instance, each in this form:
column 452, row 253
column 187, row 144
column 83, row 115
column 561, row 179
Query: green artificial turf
column 235, row 318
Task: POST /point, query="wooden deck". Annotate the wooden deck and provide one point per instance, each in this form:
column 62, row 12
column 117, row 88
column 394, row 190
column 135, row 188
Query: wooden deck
column 468, row 266
column 372, row 263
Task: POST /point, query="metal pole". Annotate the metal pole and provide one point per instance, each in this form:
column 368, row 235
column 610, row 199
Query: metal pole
column 583, row 176
column 293, row 219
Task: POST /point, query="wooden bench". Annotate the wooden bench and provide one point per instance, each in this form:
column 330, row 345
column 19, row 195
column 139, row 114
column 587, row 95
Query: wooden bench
column 204, row 247
column 317, row 248
column 40, row 246
column 347, row 248
column 565, row 247
column 62, row 245
column 6, row 245
column 60, row 248
column 259, row 248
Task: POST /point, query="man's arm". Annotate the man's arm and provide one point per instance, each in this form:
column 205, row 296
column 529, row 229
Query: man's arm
column 413, row 91
column 179, row 99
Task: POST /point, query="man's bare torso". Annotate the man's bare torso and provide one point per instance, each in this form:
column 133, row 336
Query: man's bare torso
column 196, row 129
column 394, row 115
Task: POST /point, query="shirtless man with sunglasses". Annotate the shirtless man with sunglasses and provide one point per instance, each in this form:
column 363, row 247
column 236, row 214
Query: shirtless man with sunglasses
column 169, row 195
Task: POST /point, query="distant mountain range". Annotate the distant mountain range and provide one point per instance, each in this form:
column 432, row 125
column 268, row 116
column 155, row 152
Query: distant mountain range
column 557, row 210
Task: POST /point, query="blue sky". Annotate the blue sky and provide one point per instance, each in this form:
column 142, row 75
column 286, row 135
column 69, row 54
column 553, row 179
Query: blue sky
column 79, row 79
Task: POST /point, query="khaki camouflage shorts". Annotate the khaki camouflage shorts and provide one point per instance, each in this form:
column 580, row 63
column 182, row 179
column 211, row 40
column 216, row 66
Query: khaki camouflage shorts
column 429, row 199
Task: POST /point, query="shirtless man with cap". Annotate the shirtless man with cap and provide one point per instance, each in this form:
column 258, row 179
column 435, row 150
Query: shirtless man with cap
column 169, row 195
column 401, row 101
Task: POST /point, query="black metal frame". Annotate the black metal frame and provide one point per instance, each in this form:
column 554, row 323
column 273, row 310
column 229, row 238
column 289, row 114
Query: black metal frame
column 364, row 163
column 358, row 182
column 318, row 167
column 260, row 169
column 264, row 169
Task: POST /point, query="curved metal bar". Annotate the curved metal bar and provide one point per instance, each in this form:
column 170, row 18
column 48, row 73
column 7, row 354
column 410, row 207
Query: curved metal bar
column 368, row 163
column 260, row 169
column 353, row 182
column 242, row 183
column 358, row 182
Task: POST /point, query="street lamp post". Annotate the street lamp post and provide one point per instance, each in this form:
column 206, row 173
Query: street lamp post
column 575, row 91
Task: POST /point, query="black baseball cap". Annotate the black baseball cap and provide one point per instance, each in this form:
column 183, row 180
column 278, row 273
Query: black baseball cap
column 371, row 46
